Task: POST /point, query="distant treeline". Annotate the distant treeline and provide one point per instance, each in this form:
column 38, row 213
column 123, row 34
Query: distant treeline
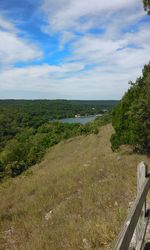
column 26, row 133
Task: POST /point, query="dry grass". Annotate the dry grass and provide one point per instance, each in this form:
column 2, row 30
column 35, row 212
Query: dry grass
column 75, row 199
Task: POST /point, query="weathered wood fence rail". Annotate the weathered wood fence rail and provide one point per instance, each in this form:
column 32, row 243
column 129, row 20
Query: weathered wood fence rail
column 137, row 220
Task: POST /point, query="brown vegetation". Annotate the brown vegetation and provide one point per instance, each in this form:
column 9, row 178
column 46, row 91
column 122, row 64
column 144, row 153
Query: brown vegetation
column 75, row 199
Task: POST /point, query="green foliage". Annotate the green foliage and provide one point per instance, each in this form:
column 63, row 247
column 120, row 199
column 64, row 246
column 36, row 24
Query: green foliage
column 16, row 115
column 146, row 4
column 26, row 133
column 1, row 170
column 28, row 147
column 131, row 117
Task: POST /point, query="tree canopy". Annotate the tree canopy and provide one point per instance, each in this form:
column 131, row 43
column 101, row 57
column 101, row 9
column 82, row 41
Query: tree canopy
column 131, row 117
column 26, row 131
column 147, row 6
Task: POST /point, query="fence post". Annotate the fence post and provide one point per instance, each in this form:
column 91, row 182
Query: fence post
column 140, row 228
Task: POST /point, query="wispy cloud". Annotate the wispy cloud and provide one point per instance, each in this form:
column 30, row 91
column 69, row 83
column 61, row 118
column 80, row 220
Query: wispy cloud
column 101, row 46
column 13, row 47
column 66, row 14
column 7, row 25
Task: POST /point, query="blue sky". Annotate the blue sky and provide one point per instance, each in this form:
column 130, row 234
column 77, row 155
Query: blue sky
column 69, row 49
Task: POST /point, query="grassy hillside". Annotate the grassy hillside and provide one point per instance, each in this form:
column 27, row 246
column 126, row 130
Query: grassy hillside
column 75, row 199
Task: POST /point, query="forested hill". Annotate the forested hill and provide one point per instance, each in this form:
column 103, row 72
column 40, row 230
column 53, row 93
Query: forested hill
column 18, row 114
column 26, row 133
column 55, row 108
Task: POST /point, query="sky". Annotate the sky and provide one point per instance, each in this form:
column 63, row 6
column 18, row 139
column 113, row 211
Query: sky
column 71, row 49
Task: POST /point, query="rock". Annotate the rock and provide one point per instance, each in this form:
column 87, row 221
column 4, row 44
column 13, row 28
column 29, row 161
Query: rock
column 86, row 244
column 86, row 165
column 48, row 215
column 116, row 204
column 119, row 158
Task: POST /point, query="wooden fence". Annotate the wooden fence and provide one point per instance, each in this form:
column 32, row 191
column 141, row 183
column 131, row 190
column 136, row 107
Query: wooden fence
column 137, row 220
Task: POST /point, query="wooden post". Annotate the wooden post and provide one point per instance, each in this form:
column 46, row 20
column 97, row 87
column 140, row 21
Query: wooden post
column 141, row 225
column 136, row 220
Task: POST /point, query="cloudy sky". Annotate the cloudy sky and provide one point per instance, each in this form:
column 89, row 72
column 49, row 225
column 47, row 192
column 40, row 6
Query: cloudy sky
column 71, row 49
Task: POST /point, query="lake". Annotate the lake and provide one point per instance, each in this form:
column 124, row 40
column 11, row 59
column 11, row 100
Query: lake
column 82, row 120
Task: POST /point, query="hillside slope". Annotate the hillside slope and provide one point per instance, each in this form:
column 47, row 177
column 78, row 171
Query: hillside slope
column 75, row 199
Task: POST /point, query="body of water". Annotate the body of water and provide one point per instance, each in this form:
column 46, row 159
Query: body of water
column 82, row 120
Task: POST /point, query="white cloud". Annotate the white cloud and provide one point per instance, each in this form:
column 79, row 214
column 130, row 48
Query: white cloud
column 133, row 48
column 100, row 63
column 66, row 14
column 112, row 64
column 14, row 48
column 66, row 81
column 7, row 25
column 40, row 77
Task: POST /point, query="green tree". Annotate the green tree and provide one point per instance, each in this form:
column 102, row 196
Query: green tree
column 147, row 6
column 131, row 117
